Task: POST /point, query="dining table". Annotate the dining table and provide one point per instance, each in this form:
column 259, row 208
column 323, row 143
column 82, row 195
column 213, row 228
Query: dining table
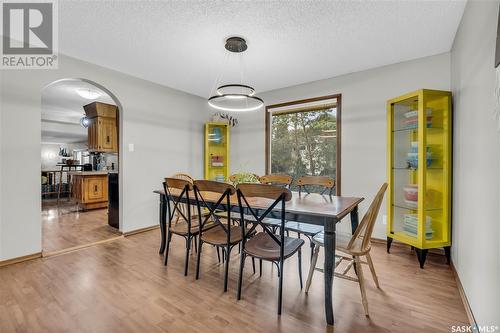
column 311, row 208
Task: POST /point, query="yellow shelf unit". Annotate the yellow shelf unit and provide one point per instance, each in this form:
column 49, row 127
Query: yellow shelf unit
column 419, row 160
column 217, row 140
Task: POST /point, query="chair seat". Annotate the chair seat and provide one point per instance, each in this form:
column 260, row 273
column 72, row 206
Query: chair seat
column 264, row 247
column 303, row 228
column 272, row 222
column 342, row 241
column 181, row 228
column 217, row 235
column 234, row 215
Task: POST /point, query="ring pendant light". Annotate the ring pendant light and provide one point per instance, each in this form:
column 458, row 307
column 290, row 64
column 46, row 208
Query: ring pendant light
column 235, row 97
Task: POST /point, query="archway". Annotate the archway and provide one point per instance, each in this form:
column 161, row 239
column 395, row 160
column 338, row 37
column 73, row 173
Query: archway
column 81, row 171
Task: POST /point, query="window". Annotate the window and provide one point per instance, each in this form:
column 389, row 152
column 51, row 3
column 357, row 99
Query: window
column 303, row 138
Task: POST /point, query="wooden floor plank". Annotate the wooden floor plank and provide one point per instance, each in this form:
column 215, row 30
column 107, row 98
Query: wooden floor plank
column 64, row 227
column 122, row 286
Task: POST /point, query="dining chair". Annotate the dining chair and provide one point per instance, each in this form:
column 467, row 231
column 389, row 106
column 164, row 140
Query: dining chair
column 181, row 221
column 325, row 183
column 184, row 176
column 233, row 179
column 265, row 245
column 223, row 234
column 354, row 246
column 310, row 230
column 183, row 207
column 188, row 178
column 279, row 179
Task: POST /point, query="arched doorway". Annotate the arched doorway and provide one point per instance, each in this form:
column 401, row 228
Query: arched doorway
column 80, row 165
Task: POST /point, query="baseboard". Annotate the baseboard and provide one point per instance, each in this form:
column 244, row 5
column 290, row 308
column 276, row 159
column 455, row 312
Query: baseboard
column 20, row 259
column 468, row 310
column 79, row 247
column 141, row 230
column 74, row 248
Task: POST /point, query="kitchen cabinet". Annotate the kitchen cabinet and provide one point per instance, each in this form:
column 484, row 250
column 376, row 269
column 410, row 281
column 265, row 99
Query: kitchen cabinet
column 90, row 189
column 103, row 127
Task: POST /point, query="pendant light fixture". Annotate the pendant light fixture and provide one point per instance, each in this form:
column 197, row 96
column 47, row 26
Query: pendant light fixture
column 88, row 93
column 84, row 122
column 235, row 97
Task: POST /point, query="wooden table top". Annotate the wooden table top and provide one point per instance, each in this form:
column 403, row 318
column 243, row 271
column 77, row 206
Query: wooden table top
column 311, row 204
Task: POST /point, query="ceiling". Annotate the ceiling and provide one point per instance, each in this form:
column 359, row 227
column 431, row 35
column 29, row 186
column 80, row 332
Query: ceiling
column 180, row 44
column 62, row 109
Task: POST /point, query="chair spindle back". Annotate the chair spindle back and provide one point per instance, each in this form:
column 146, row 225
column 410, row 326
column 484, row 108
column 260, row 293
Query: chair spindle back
column 363, row 234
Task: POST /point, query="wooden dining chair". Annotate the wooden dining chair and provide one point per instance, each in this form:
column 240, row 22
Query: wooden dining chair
column 310, row 230
column 325, row 183
column 355, row 247
column 223, row 234
column 235, row 217
column 183, row 207
column 181, row 175
column 279, row 179
column 181, row 221
column 265, row 245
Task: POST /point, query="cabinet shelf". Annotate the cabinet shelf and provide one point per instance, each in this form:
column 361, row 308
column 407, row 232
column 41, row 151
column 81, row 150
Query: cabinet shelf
column 413, row 208
column 416, row 129
column 410, row 169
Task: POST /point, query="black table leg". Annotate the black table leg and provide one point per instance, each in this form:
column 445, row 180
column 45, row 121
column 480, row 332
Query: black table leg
column 329, row 267
column 354, row 226
column 354, row 219
column 163, row 223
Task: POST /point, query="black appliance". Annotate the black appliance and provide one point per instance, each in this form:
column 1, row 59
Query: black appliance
column 113, row 200
column 87, row 167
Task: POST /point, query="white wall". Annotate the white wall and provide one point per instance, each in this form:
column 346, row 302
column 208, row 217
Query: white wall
column 164, row 124
column 1, row 163
column 364, row 136
column 476, row 212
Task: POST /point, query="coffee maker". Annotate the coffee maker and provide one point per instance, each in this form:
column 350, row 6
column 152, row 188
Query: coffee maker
column 97, row 160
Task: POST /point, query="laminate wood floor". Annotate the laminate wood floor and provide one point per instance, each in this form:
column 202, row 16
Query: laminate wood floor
column 64, row 227
column 122, row 286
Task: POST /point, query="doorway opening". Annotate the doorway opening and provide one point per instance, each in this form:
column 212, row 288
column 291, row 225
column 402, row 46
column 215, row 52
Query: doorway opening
column 80, row 165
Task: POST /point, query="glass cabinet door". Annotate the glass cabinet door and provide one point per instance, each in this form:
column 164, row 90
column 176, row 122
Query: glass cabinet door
column 436, row 173
column 405, row 162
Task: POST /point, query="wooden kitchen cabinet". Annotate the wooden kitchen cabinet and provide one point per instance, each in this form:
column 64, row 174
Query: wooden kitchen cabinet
column 90, row 190
column 103, row 128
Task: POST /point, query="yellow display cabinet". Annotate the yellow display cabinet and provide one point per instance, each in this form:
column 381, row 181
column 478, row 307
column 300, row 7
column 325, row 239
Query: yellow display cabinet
column 217, row 151
column 419, row 171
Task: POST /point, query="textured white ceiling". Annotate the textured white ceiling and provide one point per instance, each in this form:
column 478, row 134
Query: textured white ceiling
column 62, row 109
column 180, row 43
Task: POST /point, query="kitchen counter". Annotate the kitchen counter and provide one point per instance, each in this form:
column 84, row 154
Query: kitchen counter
column 89, row 173
column 90, row 188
